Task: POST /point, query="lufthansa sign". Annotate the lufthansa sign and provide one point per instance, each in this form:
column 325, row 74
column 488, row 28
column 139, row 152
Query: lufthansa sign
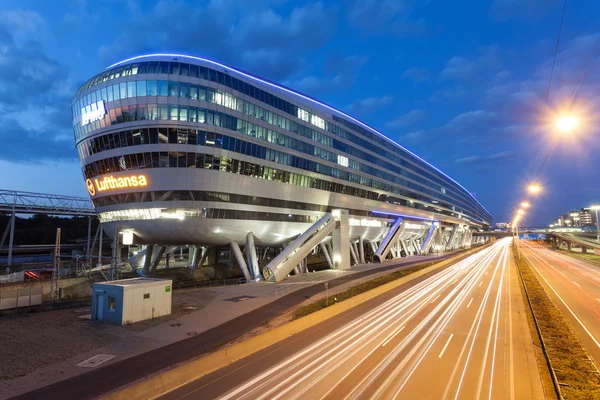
column 112, row 183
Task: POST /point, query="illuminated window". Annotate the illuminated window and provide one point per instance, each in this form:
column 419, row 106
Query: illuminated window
column 343, row 161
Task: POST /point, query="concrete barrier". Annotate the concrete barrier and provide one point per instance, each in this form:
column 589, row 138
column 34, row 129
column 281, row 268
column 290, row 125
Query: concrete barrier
column 158, row 385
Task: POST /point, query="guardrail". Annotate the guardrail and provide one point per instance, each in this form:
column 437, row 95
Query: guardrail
column 209, row 284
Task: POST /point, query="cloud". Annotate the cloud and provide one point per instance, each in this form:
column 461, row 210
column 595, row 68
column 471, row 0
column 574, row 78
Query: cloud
column 390, row 17
column 35, row 94
column 503, row 10
column 370, row 104
column 472, row 68
column 270, row 43
column 492, row 158
column 339, row 72
column 411, row 117
column 417, row 75
column 452, row 95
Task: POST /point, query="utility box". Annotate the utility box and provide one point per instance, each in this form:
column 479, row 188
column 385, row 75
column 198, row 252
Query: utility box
column 131, row 300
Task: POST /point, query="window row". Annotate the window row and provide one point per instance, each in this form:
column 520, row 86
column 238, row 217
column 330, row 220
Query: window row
column 226, row 164
column 218, row 140
column 198, row 115
column 209, row 213
column 194, row 71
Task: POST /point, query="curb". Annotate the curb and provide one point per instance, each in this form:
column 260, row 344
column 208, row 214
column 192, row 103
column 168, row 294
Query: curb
column 165, row 382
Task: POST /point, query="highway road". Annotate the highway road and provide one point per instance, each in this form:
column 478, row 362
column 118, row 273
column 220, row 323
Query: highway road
column 461, row 333
column 574, row 286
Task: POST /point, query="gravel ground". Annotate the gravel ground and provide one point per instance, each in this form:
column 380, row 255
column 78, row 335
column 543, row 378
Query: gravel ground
column 31, row 341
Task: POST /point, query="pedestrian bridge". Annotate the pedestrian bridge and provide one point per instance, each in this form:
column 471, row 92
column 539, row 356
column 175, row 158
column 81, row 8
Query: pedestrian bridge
column 571, row 239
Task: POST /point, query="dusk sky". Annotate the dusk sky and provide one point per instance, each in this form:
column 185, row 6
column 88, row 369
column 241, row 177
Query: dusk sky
column 460, row 83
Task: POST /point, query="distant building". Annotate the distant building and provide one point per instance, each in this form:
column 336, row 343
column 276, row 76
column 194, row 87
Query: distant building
column 502, row 225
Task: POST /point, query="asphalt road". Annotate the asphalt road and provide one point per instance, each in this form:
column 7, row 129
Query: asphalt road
column 574, row 286
column 461, row 333
column 99, row 381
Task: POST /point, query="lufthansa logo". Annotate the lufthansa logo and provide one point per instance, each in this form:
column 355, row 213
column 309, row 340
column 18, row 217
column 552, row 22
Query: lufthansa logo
column 90, row 187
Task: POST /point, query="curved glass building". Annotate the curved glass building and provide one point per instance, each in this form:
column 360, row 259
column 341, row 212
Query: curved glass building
column 182, row 150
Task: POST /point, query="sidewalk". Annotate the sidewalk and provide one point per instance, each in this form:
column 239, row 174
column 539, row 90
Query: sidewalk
column 206, row 317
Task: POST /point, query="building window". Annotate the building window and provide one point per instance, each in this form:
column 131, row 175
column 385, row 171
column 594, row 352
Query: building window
column 112, row 303
column 146, row 296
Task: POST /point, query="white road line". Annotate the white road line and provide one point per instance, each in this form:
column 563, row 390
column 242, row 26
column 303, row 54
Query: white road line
column 480, row 283
column 470, row 301
column 393, row 336
column 561, row 273
column 565, row 304
column 436, row 297
column 446, row 345
column 577, row 283
column 486, row 272
column 597, row 299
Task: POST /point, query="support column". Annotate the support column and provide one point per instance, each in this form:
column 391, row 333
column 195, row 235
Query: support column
column 569, row 244
column 100, row 245
column 251, row 256
column 12, row 232
column 428, row 240
column 340, row 240
column 449, row 245
column 156, row 261
column 326, row 253
column 361, row 250
column 583, row 250
column 372, row 243
column 89, row 236
column 240, row 259
column 356, row 252
column 353, row 254
column 148, row 259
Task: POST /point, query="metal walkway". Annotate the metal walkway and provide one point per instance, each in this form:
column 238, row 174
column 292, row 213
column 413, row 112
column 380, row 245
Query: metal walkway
column 44, row 203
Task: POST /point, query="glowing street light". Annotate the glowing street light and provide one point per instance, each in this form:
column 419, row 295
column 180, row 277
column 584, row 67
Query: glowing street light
column 525, row 204
column 521, row 212
column 534, row 188
column 567, row 123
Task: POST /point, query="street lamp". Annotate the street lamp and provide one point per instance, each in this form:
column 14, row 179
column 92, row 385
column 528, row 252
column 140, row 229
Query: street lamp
column 525, row 204
column 567, row 123
column 534, row 188
column 597, row 207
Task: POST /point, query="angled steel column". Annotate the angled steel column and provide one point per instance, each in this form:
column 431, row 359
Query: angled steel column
column 353, row 254
column 389, row 240
column 356, row 252
column 361, row 250
column 159, row 255
column 372, row 243
column 327, row 256
column 403, row 245
column 428, row 240
column 251, row 256
column 449, row 245
column 148, row 259
column 12, row 232
column 240, row 260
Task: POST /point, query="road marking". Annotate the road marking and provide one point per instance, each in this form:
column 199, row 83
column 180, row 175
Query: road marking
column 436, row 297
column 486, row 272
column 393, row 335
column 480, row 283
column 95, row 360
column 561, row 273
column 577, row 283
column 469, row 305
column 597, row 299
column 446, row 345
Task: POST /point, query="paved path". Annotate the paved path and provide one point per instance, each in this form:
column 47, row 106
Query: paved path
column 235, row 311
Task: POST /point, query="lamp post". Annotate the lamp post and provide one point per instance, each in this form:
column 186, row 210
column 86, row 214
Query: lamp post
column 596, row 207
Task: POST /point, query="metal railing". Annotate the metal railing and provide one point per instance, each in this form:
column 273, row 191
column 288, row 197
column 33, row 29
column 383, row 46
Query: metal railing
column 209, row 284
column 44, row 203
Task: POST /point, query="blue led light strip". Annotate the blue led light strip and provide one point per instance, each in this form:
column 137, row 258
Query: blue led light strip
column 302, row 96
column 403, row 216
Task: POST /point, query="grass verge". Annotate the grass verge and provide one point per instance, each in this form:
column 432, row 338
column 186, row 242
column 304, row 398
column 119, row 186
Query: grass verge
column 358, row 289
column 587, row 257
column 575, row 373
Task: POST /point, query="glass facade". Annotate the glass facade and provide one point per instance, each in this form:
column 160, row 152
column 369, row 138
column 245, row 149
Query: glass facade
column 190, row 95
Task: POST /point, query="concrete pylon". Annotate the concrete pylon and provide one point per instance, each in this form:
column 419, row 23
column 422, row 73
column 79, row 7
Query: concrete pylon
column 326, row 253
column 361, row 250
column 148, row 259
column 340, row 239
column 240, row 259
column 251, row 256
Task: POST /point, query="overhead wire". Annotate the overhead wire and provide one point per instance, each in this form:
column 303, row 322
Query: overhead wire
column 562, row 17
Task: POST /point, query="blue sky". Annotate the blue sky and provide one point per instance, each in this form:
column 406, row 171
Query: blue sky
column 461, row 83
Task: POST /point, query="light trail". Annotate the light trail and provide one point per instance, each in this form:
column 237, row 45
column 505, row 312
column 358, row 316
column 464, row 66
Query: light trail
column 380, row 353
